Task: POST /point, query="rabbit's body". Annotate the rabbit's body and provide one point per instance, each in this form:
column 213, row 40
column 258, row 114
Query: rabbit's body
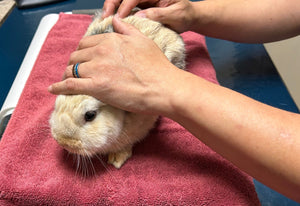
column 86, row 126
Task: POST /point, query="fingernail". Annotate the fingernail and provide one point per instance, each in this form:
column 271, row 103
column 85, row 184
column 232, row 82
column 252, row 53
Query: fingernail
column 50, row 89
column 140, row 14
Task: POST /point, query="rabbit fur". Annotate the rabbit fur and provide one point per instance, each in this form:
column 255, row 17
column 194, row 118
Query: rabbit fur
column 84, row 125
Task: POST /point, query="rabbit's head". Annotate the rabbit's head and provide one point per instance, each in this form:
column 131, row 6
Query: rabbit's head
column 84, row 125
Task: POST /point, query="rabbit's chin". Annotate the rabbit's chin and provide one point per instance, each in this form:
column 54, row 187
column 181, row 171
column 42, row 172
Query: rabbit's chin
column 86, row 151
column 117, row 155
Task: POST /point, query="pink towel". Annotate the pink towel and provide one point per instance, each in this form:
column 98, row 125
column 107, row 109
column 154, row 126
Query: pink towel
column 170, row 167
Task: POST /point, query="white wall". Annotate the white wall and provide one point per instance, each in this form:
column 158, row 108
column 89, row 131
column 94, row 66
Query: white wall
column 286, row 58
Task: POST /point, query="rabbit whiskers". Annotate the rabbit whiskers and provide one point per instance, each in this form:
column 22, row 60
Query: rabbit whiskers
column 85, row 165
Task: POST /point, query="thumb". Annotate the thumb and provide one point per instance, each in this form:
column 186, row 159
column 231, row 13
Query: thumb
column 122, row 27
column 155, row 14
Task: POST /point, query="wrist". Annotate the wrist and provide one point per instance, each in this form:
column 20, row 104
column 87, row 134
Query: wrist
column 171, row 93
column 180, row 96
column 204, row 16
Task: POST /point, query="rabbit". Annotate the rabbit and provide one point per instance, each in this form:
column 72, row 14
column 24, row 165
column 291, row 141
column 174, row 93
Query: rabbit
column 85, row 126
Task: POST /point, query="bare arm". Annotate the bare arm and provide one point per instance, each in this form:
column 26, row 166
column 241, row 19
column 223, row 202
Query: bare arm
column 252, row 21
column 259, row 139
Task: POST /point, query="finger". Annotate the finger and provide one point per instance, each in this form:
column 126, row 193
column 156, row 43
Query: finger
column 90, row 41
column 123, row 27
column 163, row 15
column 155, row 14
column 109, row 7
column 83, row 70
column 68, row 72
column 79, row 56
column 71, row 86
column 126, row 7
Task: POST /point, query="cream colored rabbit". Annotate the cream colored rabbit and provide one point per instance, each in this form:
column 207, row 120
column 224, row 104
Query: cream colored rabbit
column 84, row 125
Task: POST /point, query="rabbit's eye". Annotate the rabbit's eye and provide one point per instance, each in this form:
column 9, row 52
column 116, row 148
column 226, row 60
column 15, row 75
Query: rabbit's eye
column 90, row 116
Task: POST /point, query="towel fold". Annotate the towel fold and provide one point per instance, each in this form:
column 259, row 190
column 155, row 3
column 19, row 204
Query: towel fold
column 169, row 167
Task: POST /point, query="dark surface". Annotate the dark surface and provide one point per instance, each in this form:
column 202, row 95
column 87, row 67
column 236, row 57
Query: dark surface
column 241, row 67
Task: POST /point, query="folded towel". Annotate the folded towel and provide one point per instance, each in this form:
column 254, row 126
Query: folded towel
column 169, row 167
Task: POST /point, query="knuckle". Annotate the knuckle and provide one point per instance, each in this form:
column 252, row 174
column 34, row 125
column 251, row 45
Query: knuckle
column 68, row 72
column 156, row 14
column 99, row 49
column 72, row 57
column 81, row 43
column 104, row 46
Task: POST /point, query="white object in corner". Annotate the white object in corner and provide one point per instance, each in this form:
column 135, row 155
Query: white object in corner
column 32, row 53
column 286, row 58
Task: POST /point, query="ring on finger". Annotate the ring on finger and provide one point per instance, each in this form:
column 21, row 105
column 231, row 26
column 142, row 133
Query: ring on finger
column 75, row 70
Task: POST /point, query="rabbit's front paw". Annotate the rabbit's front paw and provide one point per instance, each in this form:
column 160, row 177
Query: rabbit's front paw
column 119, row 158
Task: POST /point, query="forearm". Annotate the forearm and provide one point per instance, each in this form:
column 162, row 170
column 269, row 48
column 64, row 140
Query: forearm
column 252, row 21
column 259, row 139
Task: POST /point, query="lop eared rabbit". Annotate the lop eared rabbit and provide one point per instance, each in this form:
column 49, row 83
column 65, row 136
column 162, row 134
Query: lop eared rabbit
column 85, row 126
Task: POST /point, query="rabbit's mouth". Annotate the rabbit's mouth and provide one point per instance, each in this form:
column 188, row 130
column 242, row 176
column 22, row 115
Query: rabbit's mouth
column 71, row 145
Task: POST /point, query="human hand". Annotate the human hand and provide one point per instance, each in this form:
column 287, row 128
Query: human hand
column 179, row 15
column 124, row 69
